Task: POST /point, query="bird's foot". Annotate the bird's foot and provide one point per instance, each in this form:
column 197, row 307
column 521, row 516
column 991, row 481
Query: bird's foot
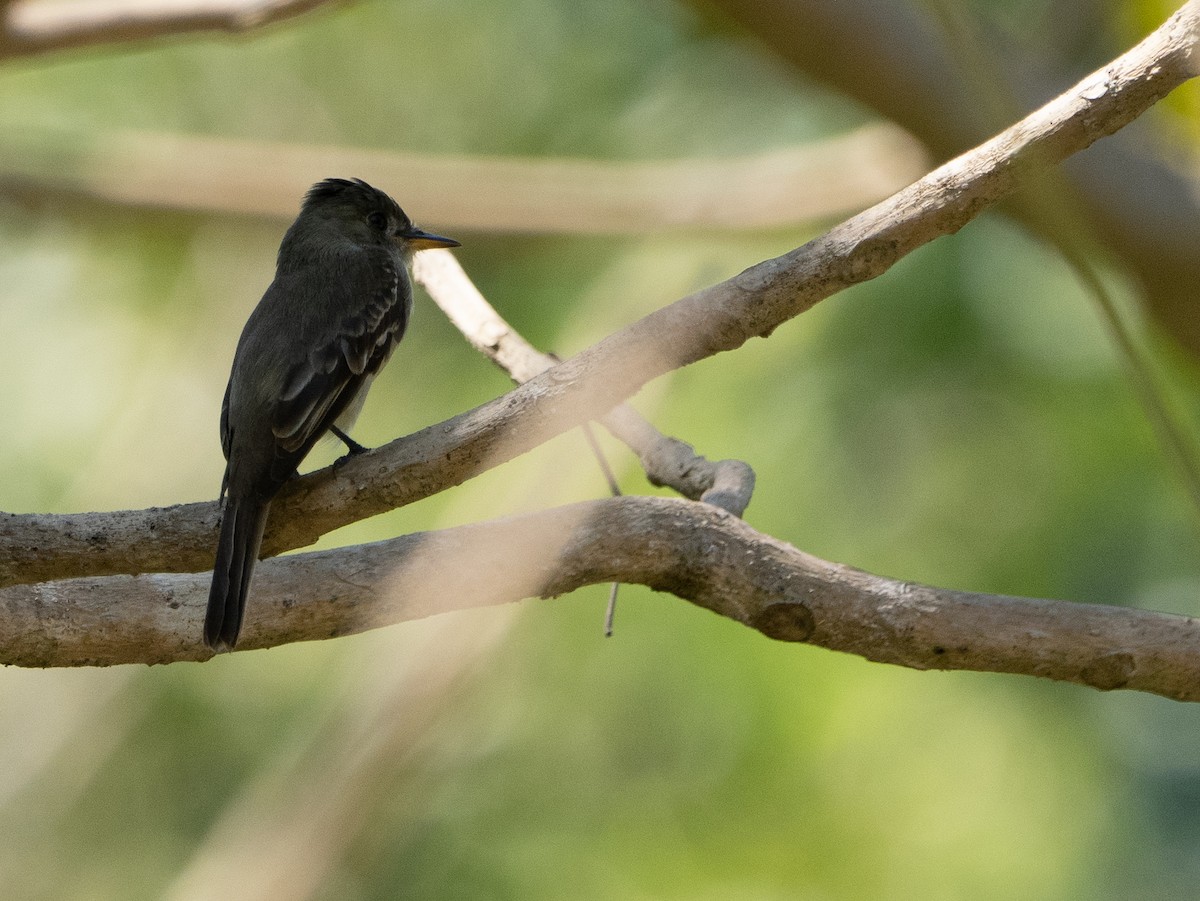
column 353, row 448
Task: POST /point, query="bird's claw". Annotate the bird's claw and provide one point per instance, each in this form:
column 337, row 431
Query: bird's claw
column 353, row 448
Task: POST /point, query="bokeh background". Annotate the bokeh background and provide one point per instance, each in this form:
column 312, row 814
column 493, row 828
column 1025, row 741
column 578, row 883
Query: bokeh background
column 962, row 421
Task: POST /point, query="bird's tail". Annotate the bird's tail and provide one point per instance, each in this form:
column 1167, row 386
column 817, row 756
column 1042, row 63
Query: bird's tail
column 242, row 524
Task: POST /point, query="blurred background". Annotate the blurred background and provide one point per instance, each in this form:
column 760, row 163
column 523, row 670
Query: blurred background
column 963, row 421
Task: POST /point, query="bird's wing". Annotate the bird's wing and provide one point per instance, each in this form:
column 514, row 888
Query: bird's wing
column 226, row 435
column 373, row 300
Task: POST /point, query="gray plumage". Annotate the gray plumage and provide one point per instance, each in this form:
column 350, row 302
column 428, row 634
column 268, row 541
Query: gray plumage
column 339, row 304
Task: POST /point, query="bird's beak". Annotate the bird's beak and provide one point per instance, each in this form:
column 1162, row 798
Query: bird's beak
column 415, row 239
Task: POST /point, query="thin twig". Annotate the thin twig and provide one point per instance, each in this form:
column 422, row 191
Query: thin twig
column 667, row 461
column 598, row 452
column 610, row 611
column 1176, row 440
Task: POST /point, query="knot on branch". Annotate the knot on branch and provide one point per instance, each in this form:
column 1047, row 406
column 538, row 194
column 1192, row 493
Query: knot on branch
column 1109, row 671
column 732, row 486
column 785, row 621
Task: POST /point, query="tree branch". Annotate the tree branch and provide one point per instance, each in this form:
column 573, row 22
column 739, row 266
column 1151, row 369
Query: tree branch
column 818, row 181
column 694, row 551
column 31, row 27
column 893, row 56
column 36, row 547
column 667, row 461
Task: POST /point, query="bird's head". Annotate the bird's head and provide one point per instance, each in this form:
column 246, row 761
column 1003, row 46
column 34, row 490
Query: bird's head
column 365, row 215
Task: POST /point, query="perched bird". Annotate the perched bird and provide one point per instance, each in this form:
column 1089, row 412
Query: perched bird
column 339, row 304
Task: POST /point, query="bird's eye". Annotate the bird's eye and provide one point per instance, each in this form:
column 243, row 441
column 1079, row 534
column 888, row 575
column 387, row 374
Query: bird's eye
column 377, row 221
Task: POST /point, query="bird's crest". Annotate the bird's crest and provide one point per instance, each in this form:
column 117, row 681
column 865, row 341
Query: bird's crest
column 353, row 191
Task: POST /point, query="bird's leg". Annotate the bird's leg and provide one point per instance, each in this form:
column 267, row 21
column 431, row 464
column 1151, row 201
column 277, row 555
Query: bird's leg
column 353, row 447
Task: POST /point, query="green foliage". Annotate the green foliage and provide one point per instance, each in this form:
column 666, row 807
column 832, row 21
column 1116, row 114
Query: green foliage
column 961, row 421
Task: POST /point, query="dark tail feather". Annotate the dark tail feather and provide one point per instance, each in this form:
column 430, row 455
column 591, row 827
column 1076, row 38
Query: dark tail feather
column 242, row 525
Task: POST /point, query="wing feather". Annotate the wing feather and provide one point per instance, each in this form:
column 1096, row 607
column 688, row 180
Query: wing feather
column 342, row 358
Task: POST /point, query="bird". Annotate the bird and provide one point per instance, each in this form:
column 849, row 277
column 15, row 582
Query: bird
column 339, row 304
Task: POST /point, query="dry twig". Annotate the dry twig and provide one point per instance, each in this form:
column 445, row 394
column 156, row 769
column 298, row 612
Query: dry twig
column 30, row 27
column 667, row 461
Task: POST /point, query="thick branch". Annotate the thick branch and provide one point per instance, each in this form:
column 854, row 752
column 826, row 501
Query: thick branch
column 720, row 318
column 694, row 551
column 31, row 27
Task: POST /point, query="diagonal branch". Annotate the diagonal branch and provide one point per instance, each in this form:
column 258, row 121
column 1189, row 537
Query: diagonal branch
column 894, row 57
column 695, row 551
column 31, row 27
column 720, row 318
